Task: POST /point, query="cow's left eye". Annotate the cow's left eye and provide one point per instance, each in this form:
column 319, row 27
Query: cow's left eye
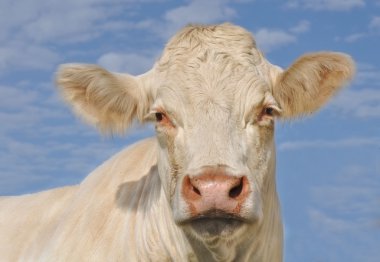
column 269, row 111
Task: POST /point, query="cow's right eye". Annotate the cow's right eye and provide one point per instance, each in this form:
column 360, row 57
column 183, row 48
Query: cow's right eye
column 162, row 119
column 159, row 116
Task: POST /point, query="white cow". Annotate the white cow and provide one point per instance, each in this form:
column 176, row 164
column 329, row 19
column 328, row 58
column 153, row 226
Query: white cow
column 203, row 189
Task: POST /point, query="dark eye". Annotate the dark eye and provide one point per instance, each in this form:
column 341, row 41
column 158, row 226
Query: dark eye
column 159, row 116
column 269, row 111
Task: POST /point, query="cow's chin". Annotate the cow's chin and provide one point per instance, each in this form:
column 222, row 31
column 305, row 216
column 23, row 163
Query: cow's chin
column 214, row 224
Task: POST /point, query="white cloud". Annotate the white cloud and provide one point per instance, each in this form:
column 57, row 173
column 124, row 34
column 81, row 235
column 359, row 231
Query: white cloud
column 195, row 11
column 330, row 5
column 39, row 28
column 375, row 23
column 373, row 31
column 364, row 100
column 18, row 55
column 341, row 234
column 271, row 39
column 333, row 144
column 367, row 77
column 41, row 21
column 199, row 11
column 302, row 27
column 349, row 199
column 126, row 63
column 363, row 103
column 31, row 31
column 40, row 143
column 345, row 209
column 329, row 224
column 26, row 164
column 354, row 37
column 11, row 98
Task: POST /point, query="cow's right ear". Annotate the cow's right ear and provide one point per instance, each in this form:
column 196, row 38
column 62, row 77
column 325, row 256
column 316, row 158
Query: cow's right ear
column 110, row 101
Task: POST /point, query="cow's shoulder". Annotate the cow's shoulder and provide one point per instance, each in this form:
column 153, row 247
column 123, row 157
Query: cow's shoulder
column 130, row 164
column 102, row 195
column 25, row 218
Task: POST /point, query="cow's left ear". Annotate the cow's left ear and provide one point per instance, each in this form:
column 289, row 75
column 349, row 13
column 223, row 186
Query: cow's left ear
column 109, row 101
column 309, row 83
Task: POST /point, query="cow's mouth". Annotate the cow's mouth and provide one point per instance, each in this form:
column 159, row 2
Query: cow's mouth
column 215, row 223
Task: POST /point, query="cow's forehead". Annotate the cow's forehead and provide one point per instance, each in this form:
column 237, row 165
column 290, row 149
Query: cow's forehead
column 211, row 66
column 195, row 44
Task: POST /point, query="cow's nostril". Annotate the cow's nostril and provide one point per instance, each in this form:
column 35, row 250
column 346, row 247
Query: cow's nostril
column 236, row 191
column 196, row 190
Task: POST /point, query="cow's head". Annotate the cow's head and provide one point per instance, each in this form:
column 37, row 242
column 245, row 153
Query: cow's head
column 214, row 99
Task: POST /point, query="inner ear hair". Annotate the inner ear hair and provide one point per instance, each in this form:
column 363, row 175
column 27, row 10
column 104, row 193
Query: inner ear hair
column 311, row 81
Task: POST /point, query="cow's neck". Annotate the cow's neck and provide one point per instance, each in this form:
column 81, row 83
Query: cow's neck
column 157, row 237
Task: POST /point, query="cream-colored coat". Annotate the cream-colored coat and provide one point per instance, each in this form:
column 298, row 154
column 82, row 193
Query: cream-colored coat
column 214, row 99
column 118, row 213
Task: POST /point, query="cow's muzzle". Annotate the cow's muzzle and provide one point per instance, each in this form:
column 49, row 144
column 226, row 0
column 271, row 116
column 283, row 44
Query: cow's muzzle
column 214, row 193
column 215, row 199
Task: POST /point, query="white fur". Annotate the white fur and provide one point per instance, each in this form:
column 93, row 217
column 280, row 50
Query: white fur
column 213, row 85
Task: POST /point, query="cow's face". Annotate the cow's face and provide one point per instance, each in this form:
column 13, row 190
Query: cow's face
column 213, row 98
column 214, row 115
column 215, row 131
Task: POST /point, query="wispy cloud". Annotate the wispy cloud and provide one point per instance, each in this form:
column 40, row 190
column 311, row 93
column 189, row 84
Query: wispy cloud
column 329, row 5
column 328, row 224
column 368, row 75
column 30, row 32
column 27, row 164
column 40, row 144
column 353, row 37
column 333, row 144
column 362, row 103
column 345, row 209
column 131, row 63
column 302, row 27
column 375, row 23
column 362, row 100
column 31, row 57
column 271, row 39
column 373, row 30
column 349, row 199
column 201, row 12
column 194, row 11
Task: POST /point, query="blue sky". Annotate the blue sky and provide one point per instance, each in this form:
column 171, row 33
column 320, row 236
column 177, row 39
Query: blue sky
column 328, row 165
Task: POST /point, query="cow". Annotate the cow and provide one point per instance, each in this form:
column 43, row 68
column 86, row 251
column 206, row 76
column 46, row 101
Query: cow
column 203, row 189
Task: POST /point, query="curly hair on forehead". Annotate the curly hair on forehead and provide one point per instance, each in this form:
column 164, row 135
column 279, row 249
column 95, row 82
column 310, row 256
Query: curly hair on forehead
column 201, row 43
column 216, row 34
